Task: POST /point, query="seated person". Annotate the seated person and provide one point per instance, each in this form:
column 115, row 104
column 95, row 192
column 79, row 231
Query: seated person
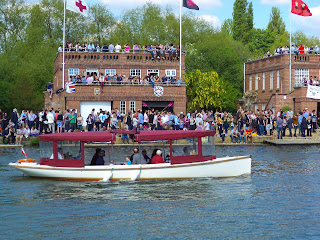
column 157, row 158
column 193, row 152
column 186, row 151
column 137, row 158
column 242, row 135
column 19, row 135
column 95, row 156
column 50, row 89
column 60, row 154
column 128, row 161
column 100, row 160
column 234, row 135
column 249, row 134
column 146, row 157
column 34, row 132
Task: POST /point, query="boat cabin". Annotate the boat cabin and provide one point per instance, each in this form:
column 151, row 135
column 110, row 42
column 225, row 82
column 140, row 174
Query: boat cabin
column 67, row 149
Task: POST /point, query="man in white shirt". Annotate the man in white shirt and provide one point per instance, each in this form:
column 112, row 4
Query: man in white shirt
column 117, row 48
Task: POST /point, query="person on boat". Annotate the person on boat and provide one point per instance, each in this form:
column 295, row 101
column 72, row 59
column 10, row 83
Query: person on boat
column 138, row 158
column 100, row 160
column 157, row 158
column 60, row 154
column 128, row 161
column 95, row 156
column 146, row 157
column 186, row 151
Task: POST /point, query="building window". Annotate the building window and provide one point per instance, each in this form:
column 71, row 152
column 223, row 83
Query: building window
column 123, row 107
column 153, row 72
column 132, row 106
column 256, row 107
column 263, row 81
column 135, row 72
column 92, row 71
column 250, row 82
column 301, row 75
column 278, row 79
column 110, row 72
column 171, row 72
column 271, row 80
column 263, row 107
column 257, row 82
column 73, row 71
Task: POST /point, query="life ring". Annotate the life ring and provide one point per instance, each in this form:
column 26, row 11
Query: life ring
column 30, row 160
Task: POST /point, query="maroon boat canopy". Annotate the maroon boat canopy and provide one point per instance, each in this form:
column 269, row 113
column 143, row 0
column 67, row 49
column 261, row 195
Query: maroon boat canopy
column 104, row 136
column 171, row 135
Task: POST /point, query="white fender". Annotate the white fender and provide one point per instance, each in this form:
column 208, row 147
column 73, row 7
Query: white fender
column 107, row 177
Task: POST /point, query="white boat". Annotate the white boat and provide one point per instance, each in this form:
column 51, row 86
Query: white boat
column 202, row 164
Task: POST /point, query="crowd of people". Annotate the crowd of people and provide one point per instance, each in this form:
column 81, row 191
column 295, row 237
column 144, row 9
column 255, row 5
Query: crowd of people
column 156, row 51
column 239, row 126
column 121, row 79
column 295, row 49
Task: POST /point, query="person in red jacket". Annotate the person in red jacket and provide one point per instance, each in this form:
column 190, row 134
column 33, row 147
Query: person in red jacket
column 157, row 158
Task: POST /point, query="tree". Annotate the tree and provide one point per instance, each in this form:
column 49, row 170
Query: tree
column 242, row 19
column 276, row 24
column 261, row 41
column 227, row 26
column 102, row 22
column 207, row 90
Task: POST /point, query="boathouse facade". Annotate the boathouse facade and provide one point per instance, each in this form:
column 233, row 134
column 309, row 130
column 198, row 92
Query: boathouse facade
column 270, row 78
column 122, row 95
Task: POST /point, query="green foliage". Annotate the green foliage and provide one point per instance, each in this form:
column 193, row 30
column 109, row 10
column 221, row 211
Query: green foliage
column 207, row 90
column 285, row 108
column 261, row 41
column 242, row 20
column 34, row 141
column 276, row 24
column 31, row 33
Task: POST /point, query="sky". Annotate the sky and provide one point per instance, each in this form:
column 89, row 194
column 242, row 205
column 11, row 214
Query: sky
column 216, row 11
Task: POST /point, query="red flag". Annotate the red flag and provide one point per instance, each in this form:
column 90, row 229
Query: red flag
column 23, row 152
column 190, row 4
column 300, row 8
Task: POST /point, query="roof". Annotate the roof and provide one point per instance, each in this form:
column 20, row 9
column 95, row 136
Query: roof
column 171, row 135
column 103, row 136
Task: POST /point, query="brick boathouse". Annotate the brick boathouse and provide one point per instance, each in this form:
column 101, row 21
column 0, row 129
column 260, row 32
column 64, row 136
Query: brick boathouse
column 123, row 96
column 270, row 78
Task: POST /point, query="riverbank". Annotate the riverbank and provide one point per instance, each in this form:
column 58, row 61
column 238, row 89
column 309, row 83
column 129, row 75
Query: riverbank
column 257, row 140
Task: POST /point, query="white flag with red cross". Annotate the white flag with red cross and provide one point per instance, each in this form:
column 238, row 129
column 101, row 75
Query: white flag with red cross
column 78, row 6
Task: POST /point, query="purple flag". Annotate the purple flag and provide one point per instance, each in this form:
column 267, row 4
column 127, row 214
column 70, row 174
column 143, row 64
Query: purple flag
column 190, row 4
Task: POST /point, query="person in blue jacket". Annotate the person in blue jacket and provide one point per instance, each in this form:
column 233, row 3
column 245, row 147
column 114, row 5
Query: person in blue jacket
column 100, row 160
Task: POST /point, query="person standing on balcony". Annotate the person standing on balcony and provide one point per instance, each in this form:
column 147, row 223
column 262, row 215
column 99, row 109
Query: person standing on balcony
column 301, row 49
column 104, row 48
column 117, row 48
column 111, row 48
column 135, row 48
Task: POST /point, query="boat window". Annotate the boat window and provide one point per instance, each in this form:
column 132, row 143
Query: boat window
column 45, row 149
column 70, row 149
column 185, row 147
column 208, row 148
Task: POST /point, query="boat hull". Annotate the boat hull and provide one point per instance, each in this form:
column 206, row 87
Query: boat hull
column 216, row 168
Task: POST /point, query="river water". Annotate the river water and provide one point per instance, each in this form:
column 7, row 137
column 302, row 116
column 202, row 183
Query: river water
column 279, row 200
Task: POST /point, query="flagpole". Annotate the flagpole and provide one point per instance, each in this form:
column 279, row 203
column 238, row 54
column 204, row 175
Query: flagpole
column 290, row 56
column 180, row 61
column 64, row 40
